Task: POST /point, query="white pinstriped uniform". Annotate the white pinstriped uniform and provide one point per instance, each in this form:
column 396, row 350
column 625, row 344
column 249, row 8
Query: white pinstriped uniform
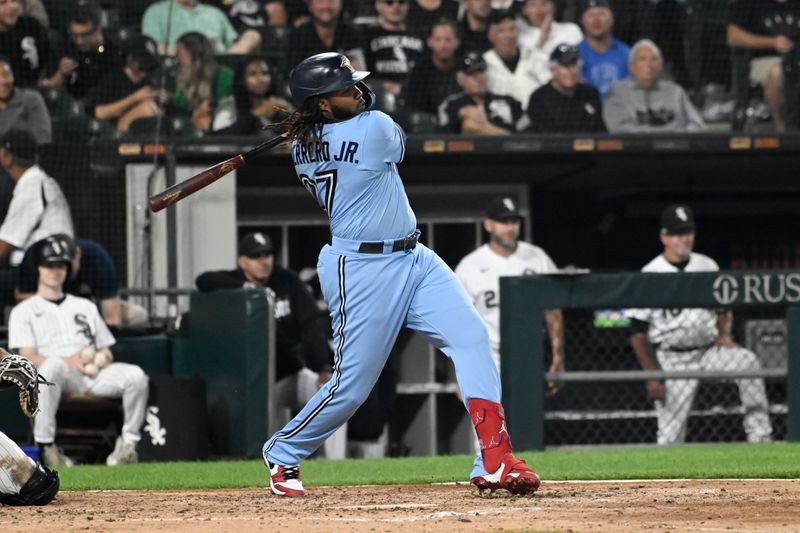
column 58, row 330
column 16, row 468
column 685, row 341
column 480, row 272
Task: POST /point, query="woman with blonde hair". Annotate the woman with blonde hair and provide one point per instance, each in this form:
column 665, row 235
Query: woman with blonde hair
column 200, row 82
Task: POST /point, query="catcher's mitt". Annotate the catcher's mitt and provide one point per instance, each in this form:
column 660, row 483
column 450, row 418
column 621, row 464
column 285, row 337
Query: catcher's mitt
column 17, row 371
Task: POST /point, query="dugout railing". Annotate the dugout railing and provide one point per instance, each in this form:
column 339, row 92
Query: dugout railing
column 614, row 394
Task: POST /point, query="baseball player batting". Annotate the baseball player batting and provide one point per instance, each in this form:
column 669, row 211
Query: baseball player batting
column 376, row 277
column 691, row 339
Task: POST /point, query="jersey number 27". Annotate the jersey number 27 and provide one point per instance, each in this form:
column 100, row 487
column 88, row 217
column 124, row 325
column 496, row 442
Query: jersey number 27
column 323, row 188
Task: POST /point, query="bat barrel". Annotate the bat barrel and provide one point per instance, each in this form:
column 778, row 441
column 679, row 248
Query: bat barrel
column 183, row 189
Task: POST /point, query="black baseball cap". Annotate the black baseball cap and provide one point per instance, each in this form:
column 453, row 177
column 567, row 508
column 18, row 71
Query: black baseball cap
column 20, row 143
column 143, row 50
column 254, row 244
column 565, row 55
column 677, row 219
column 502, row 209
column 589, row 4
column 499, row 15
column 472, row 62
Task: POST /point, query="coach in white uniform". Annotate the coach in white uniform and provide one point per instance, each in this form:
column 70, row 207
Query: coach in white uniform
column 691, row 339
column 506, row 255
column 51, row 329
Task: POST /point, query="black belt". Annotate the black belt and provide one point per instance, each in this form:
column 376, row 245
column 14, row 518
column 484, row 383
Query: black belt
column 400, row 245
column 684, row 348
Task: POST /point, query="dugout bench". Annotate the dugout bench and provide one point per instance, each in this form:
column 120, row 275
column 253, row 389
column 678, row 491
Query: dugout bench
column 229, row 346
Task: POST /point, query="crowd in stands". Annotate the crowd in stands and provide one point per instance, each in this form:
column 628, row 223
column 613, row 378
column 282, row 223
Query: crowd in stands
column 213, row 67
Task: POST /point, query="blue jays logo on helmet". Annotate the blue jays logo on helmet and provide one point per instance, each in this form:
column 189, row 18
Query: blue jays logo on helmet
column 321, row 74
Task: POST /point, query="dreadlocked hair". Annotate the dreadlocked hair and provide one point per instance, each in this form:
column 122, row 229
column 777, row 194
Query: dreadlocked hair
column 304, row 125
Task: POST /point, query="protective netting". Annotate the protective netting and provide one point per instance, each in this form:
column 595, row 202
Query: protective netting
column 85, row 77
column 604, row 410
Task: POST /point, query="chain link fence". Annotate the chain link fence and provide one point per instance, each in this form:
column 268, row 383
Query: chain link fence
column 607, row 399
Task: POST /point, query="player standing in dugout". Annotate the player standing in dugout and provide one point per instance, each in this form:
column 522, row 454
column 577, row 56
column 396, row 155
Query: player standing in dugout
column 376, row 277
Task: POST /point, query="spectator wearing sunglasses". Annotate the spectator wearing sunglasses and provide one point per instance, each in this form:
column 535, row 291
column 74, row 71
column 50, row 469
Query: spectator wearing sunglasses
column 391, row 50
column 88, row 53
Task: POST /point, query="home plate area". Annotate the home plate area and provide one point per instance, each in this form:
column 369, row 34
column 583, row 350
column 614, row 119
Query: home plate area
column 617, row 506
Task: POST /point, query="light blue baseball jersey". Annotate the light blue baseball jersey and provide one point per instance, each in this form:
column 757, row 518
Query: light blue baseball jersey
column 352, row 172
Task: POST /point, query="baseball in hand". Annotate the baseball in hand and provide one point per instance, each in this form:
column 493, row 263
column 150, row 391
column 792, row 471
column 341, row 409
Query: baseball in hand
column 102, row 359
column 87, row 355
column 90, row 369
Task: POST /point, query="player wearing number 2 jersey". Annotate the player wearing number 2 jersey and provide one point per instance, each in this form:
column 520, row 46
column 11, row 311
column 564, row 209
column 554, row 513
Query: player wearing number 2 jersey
column 377, row 278
column 505, row 255
column 691, row 339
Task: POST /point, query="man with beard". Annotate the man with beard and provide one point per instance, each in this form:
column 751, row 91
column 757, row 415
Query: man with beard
column 325, row 32
column 376, row 278
column 506, row 255
column 88, row 54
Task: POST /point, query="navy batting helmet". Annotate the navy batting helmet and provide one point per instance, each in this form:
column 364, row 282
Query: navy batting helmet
column 326, row 73
column 52, row 250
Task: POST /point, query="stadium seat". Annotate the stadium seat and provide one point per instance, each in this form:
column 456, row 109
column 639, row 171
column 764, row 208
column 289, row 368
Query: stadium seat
column 146, row 127
column 417, row 121
column 71, row 121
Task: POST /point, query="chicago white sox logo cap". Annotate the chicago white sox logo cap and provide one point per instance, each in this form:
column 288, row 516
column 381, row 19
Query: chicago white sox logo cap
column 677, row 218
column 502, row 209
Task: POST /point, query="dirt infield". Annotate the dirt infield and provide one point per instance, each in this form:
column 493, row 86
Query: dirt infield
column 698, row 505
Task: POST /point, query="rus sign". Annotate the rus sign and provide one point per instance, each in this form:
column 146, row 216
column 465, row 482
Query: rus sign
column 757, row 288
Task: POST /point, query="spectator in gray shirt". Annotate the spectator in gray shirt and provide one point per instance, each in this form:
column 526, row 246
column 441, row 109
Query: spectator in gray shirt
column 644, row 102
column 22, row 108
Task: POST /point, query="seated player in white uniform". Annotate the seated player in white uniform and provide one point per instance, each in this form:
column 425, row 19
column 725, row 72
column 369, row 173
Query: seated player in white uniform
column 691, row 339
column 65, row 337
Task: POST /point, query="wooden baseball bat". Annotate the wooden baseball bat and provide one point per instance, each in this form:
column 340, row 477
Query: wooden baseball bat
column 181, row 190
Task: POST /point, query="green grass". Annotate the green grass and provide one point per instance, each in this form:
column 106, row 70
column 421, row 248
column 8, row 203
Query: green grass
column 780, row 460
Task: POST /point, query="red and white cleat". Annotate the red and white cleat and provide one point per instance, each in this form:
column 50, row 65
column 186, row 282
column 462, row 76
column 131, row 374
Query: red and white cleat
column 285, row 480
column 514, row 475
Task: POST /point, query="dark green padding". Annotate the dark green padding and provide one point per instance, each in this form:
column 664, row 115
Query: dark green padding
column 227, row 346
column 152, row 352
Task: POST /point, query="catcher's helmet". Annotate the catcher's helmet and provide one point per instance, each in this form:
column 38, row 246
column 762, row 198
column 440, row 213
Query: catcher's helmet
column 325, row 73
column 53, row 250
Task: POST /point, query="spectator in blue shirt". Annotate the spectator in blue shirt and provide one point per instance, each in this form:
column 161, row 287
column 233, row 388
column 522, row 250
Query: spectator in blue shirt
column 605, row 59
